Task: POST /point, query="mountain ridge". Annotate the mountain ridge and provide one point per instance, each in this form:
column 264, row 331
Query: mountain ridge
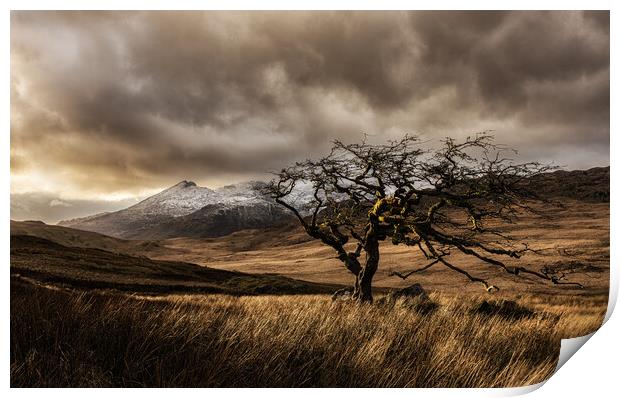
column 188, row 210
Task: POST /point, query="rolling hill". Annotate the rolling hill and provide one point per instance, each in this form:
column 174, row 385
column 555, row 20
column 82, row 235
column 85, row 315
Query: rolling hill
column 43, row 261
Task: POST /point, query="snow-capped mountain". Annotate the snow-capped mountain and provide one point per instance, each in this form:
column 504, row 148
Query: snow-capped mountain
column 187, row 210
column 178, row 200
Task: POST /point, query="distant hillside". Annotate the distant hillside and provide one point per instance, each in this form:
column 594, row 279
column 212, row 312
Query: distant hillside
column 587, row 185
column 73, row 237
column 44, row 261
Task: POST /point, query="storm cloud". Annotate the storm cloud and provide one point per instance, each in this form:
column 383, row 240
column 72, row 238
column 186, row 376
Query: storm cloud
column 121, row 103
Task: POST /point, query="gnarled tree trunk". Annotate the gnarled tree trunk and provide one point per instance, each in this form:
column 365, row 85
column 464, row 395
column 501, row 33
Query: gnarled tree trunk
column 365, row 276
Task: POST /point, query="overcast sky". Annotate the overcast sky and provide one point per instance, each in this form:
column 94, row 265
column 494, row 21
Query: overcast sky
column 109, row 107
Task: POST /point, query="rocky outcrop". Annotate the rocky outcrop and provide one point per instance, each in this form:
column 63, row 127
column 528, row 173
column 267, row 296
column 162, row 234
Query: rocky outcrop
column 343, row 294
column 413, row 297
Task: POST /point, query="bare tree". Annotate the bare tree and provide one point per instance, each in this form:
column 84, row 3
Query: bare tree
column 435, row 201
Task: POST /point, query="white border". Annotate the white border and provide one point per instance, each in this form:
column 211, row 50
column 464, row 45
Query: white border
column 593, row 372
column 311, row 5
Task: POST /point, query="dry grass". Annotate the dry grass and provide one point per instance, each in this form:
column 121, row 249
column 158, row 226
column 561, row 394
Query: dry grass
column 61, row 338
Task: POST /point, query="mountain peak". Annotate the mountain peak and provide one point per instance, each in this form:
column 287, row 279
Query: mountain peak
column 185, row 184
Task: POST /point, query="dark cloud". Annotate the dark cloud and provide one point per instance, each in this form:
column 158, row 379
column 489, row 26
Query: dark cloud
column 127, row 101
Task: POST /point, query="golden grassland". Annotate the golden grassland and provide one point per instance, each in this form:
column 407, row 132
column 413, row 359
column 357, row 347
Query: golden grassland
column 95, row 333
column 89, row 339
